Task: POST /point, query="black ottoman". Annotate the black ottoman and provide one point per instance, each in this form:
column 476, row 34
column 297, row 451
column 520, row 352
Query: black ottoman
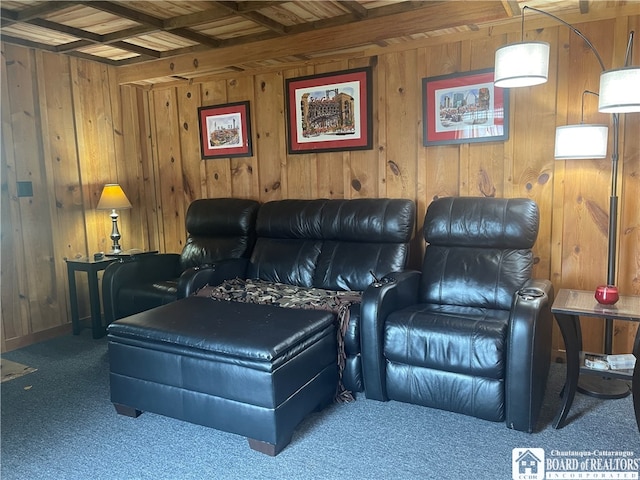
column 253, row 370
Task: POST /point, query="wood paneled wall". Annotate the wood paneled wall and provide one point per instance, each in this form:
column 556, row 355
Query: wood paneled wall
column 69, row 128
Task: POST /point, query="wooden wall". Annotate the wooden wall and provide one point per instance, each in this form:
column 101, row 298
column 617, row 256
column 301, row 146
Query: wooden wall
column 69, row 128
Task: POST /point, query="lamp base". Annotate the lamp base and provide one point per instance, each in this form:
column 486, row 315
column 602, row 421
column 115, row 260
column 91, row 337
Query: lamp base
column 603, row 388
column 115, row 233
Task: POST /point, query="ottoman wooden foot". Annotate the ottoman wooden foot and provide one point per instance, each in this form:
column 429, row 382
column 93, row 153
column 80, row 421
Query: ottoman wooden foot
column 127, row 411
column 268, row 448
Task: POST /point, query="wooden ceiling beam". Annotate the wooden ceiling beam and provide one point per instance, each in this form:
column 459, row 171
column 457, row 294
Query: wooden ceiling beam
column 130, row 47
column 355, row 8
column 157, row 24
column 68, row 47
column 584, row 6
column 434, row 16
column 37, row 11
column 350, row 18
column 258, row 37
column 254, row 17
column 59, row 27
column 128, row 33
column 183, row 51
column 125, row 12
column 197, row 18
column 8, row 17
column 512, row 8
column 250, row 6
column 196, row 37
column 93, row 58
column 27, row 43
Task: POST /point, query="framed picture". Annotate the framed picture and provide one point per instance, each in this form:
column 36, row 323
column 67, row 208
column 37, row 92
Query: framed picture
column 225, row 130
column 464, row 108
column 329, row 112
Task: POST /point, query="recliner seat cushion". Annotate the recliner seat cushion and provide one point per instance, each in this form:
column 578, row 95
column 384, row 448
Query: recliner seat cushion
column 137, row 298
column 476, row 396
column 448, row 357
column 470, row 341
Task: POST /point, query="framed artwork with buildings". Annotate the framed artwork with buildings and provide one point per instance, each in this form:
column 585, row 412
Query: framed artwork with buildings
column 225, row 130
column 329, row 112
column 464, row 108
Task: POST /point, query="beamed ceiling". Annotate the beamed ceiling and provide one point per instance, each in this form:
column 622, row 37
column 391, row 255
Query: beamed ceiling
column 160, row 41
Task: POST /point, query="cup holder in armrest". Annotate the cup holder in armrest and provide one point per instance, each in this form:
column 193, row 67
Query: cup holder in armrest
column 530, row 293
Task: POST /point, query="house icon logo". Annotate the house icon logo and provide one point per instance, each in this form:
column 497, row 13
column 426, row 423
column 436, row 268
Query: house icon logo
column 527, row 464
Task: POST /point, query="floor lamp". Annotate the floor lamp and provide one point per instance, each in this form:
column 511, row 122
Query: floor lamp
column 526, row 64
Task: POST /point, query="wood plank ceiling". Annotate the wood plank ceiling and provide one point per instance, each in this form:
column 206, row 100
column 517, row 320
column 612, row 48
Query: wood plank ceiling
column 128, row 33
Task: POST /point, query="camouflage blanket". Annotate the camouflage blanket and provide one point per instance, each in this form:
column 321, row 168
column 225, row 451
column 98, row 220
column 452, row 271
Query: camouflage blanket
column 291, row 296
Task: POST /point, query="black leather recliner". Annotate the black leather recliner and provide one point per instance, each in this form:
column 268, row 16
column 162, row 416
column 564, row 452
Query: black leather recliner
column 218, row 229
column 471, row 333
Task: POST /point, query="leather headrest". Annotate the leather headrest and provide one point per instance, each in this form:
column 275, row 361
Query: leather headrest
column 482, row 222
column 221, row 217
column 358, row 220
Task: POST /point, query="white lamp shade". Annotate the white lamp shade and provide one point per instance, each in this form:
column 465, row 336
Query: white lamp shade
column 620, row 90
column 575, row 142
column 521, row 64
column 113, row 198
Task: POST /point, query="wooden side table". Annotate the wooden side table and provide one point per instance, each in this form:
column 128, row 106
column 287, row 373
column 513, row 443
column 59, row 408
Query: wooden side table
column 92, row 267
column 567, row 308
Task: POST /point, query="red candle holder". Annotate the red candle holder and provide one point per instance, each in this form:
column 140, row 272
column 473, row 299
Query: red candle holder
column 607, row 294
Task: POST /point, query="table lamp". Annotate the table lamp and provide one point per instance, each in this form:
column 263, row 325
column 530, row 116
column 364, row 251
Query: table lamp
column 113, row 198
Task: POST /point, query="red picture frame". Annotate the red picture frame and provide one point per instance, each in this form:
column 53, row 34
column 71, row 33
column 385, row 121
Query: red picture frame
column 225, row 130
column 329, row 112
column 464, row 108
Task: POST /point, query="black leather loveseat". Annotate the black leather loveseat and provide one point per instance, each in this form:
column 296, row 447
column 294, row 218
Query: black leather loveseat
column 258, row 369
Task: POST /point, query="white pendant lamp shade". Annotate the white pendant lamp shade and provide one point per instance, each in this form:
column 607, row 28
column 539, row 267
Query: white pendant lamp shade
column 521, row 64
column 581, row 141
column 620, row 90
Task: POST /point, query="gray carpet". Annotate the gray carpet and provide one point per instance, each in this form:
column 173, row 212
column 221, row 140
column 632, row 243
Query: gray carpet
column 58, row 423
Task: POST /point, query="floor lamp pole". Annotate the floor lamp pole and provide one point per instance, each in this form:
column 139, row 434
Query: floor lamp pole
column 613, row 230
column 600, row 387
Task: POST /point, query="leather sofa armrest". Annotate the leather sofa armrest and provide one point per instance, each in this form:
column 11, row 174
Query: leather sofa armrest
column 394, row 292
column 193, row 279
column 135, row 270
column 528, row 354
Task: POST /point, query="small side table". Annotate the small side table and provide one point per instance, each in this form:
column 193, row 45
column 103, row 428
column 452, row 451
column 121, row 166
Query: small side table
column 92, row 267
column 567, row 308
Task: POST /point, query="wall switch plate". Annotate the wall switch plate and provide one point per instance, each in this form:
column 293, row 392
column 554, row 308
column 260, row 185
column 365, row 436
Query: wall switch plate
column 25, row 189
